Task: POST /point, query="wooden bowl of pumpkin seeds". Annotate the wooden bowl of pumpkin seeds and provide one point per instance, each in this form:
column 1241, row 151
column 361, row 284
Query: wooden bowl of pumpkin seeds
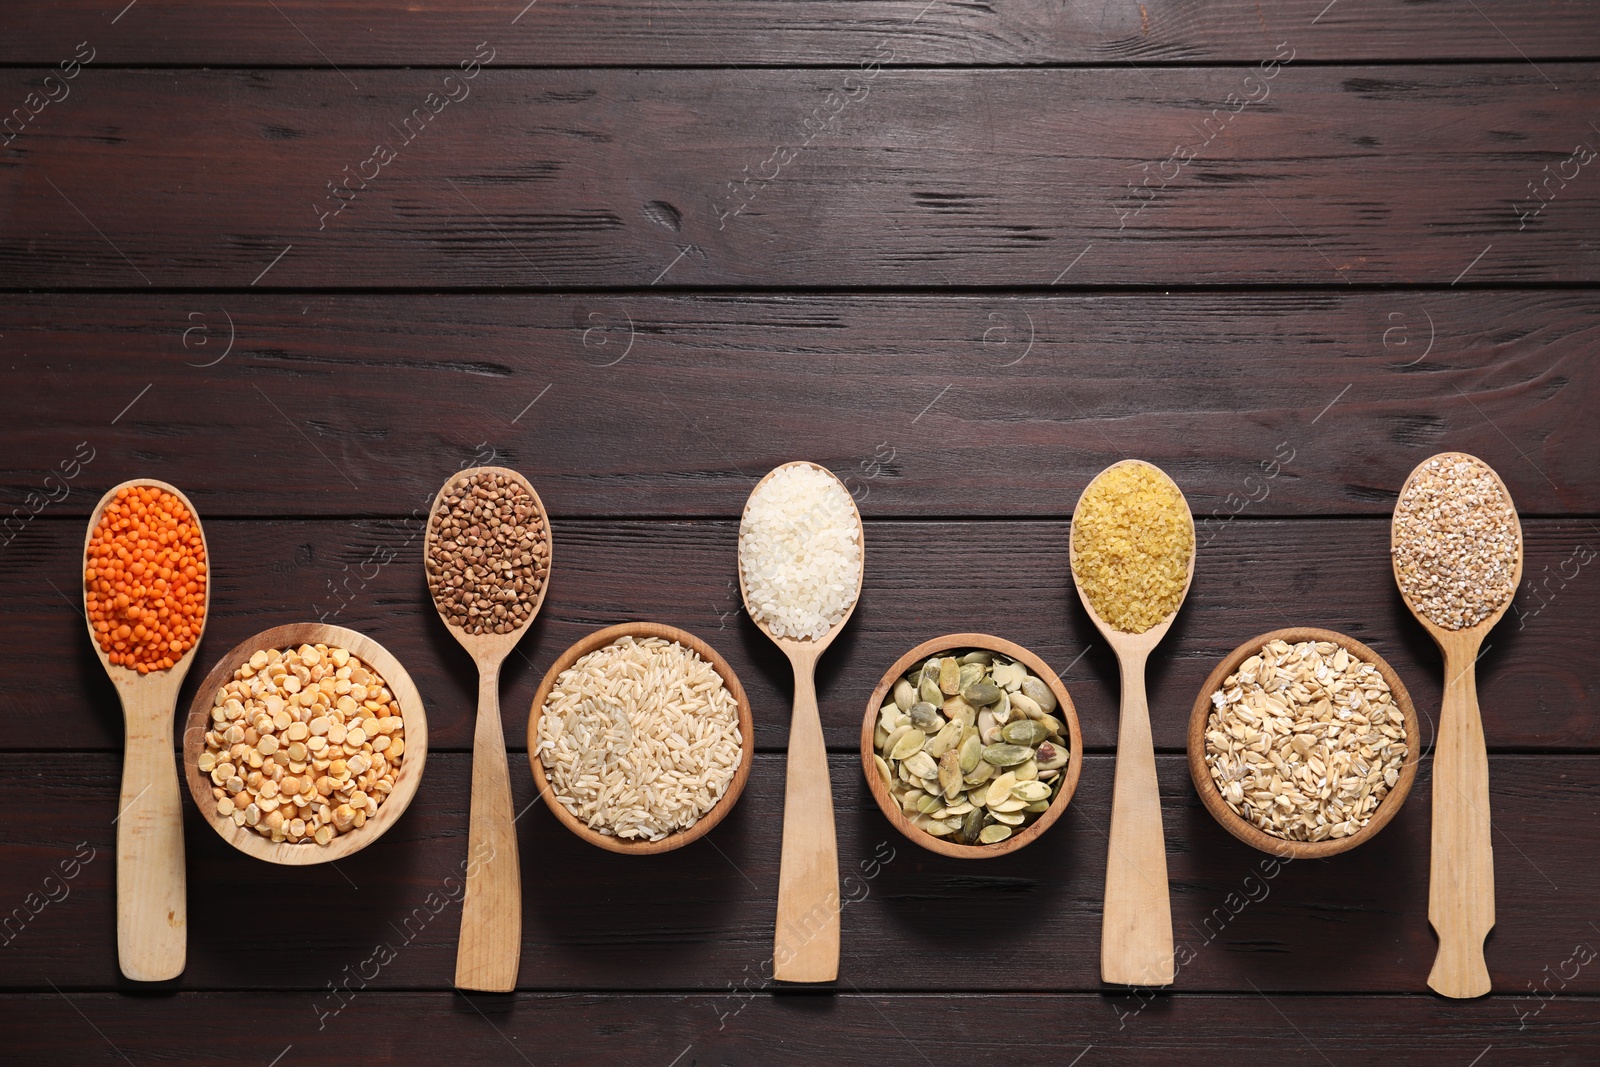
column 971, row 746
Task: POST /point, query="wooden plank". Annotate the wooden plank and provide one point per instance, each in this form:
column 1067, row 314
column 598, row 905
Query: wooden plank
column 796, row 32
column 930, row 405
column 701, row 917
column 1335, row 176
column 1536, row 680
column 589, row 1029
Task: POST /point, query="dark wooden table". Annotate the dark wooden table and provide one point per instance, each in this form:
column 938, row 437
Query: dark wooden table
column 304, row 259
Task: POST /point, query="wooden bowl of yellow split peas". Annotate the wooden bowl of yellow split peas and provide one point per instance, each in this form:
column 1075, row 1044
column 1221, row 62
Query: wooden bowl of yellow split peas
column 305, row 743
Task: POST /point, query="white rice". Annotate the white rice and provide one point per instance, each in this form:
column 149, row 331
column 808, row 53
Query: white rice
column 800, row 547
column 640, row 738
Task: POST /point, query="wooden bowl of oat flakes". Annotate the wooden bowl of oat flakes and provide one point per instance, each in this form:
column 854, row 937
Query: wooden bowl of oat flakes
column 1304, row 743
column 305, row 743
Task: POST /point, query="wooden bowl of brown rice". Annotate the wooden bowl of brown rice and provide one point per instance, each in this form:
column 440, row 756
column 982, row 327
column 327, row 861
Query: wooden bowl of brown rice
column 640, row 738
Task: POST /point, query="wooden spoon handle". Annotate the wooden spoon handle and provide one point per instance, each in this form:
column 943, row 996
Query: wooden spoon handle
column 1136, row 925
column 491, row 912
column 1461, row 878
column 152, row 911
column 806, row 942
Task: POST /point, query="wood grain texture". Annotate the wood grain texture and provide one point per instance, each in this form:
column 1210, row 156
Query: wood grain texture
column 594, row 1029
column 1536, row 681
column 702, row 917
column 1337, row 176
column 976, row 406
column 795, row 32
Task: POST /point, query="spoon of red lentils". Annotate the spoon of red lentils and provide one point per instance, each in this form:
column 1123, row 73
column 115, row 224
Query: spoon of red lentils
column 146, row 591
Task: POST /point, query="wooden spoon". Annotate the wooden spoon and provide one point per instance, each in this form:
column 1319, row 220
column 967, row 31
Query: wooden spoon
column 152, row 908
column 806, row 941
column 1461, row 870
column 1136, row 924
column 491, row 911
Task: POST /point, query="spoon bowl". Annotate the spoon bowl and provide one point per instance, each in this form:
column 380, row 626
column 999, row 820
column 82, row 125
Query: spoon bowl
column 490, row 948
column 152, row 909
column 1461, row 863
column 1136, row 924
column 806, row 938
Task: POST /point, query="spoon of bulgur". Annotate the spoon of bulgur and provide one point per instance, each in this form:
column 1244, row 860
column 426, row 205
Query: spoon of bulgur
column 1132, row 549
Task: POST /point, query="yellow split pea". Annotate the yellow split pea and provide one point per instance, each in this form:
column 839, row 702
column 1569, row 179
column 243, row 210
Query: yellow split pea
column 1132, row 539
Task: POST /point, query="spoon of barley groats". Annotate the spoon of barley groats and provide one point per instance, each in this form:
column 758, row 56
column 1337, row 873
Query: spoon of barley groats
column 487, row 559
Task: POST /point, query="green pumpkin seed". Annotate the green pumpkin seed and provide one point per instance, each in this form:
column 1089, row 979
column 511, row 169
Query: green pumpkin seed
column 971, row 754
column 956, row 708
column 1030, row 791
column 1010, row 818
column 1024, row 732
column 960, row 808
column 879, row 737
column 1026, row 705
column 929, row 804
column 888, row 746
column 1026, row 771
column 945, row 740
column 905, row 695
column 979, row 774
column 883, row 770
column 909, row 742
column 1041, row 694
column 925, row 717
column 1004, row 755
column 950, row 774
column 949, row 677
column 1037, row 806
column 1009, row 676
column 1051, row 756
column 1056, row 727
column 999, row 790
column 993, row 834
column 982, row 656
column 988, row 729
column 930, row 693
column 971, row 826
column 970, row 672
column 981, row 693
column 922, row 765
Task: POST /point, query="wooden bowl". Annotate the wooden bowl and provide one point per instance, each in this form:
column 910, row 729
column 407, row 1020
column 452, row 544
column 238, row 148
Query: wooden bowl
column 719, row 810
column 1248, row 832
column 395, row 677
column 1065, row 712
